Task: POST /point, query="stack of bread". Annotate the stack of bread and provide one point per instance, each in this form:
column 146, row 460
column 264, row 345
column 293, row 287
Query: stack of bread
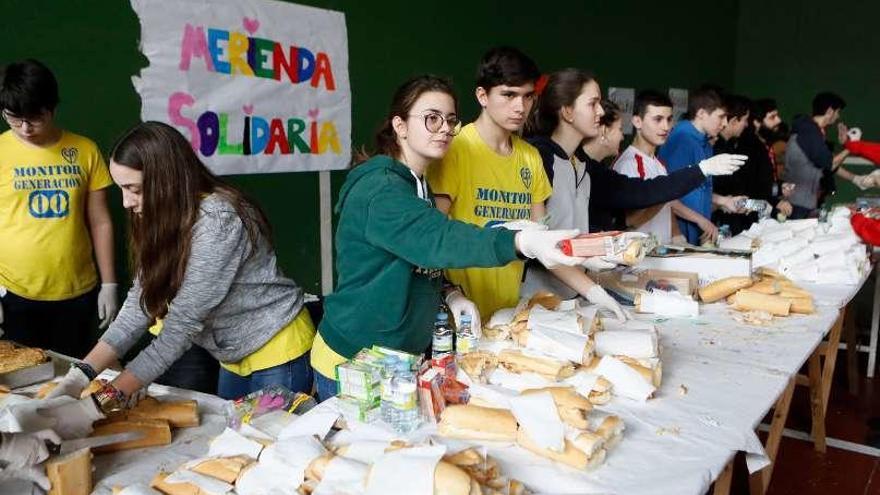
column 587, row 437
column 769, row 293
column 302, row 465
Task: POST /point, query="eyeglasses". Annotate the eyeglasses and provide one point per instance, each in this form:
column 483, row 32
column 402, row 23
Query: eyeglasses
column 434, row 122
column 14, row 121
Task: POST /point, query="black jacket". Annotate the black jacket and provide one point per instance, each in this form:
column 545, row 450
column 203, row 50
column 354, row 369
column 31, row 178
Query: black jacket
column 610, row 191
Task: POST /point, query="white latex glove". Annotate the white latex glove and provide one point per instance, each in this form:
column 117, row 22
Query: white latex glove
column 854, row 134
column 723, row 164
column 459, row 304
column 542, row 245
column 20, row 450
column 597, row 264
column 598, row 296
column 34, row 474
column 521, row 225
column 108, row 304
column 73, row 419
column 863, row 181
column 72, row 385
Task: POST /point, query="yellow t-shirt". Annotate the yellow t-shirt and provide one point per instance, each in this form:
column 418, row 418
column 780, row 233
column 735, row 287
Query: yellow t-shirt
column 488, row 189
column 45, row 245
column 291, row 342
column 324, row 359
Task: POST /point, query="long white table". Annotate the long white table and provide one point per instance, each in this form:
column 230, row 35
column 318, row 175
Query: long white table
column 720, row 380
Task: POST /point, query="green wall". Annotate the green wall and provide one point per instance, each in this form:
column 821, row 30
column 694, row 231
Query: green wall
column 790, row 50
column 92, row 47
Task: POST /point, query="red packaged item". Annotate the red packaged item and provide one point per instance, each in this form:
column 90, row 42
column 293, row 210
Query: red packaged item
column 596, row 244
column 445, row 365
column 454, row 392
column 431, row 399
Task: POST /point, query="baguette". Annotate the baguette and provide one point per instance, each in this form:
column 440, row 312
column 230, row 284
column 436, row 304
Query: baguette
column 179, row 414
column 70, row 474
column 766, row 286
column 222, row 468
column 450, row 479
column 722, row 288
column 802, row 305
column 572, row 455
column 477, row 423
column 518, row 362
column 611, row 430
column 546, row 299
column 156, row 432
column 158, row 482
column 745, row 300
column 571, row 406
column 477, row 364
column 654, row 375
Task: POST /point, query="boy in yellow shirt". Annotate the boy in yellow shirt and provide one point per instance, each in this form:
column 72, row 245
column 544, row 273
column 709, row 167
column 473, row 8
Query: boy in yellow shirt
column 490, row 175
column 53, row 217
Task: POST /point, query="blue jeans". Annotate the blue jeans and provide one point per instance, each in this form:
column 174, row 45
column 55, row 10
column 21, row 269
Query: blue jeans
column 324, row 387
column 296, row 375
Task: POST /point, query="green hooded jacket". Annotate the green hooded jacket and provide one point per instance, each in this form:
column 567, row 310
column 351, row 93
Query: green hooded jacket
column 391, row 248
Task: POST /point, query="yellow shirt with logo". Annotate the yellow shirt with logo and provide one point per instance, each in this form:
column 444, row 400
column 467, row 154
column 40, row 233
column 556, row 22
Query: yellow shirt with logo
column 45, row 245
column 487, row 189
column 291, row 342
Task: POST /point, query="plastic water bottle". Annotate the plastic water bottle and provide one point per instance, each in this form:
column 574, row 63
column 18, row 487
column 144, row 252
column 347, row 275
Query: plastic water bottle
column 405, row 400
column 386, row 390
column 465, row 339
column 441, row 343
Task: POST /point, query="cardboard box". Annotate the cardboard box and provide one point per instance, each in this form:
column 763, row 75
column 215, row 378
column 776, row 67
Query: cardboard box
column 685, row 283
column 708, row 266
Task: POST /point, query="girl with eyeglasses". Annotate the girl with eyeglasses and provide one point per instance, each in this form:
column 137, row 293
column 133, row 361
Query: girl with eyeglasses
column 392, row 244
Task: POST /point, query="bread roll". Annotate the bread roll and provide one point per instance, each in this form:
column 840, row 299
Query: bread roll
column 572, row 455
column 745, row 300
column 70, row 474
column 179, row 414
column 452, row 480
column 222, row 468
column 563, row 397
column 518, row 362
column 722, row 288
column 611, row 430
column 156, row 432
column 469, row 422
column 802, row 305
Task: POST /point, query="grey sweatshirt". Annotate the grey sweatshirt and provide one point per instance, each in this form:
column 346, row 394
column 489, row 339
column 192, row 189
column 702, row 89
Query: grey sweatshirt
column 229, row 303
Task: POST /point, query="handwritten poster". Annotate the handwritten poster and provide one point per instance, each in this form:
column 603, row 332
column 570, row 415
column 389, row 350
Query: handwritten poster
column 256, row 86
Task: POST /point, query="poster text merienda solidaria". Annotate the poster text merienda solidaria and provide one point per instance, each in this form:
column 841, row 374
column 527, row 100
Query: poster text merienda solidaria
column 231, row 52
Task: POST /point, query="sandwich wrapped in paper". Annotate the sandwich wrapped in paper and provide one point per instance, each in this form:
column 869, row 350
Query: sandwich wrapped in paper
column 583, row 451
column 627, row 381
column 573, row 408
column 521, row 362
column 666, row 304
column 500, row 325
column 633, row 343
column 559, row 344
column 596, row 388
column 469, row 422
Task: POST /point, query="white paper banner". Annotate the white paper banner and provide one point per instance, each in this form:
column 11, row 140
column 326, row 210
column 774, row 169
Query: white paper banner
column 256, row 86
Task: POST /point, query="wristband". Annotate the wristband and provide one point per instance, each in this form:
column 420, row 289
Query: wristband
column 86, row 368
